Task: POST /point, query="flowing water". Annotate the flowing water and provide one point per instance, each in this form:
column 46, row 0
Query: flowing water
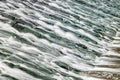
column 59, row 40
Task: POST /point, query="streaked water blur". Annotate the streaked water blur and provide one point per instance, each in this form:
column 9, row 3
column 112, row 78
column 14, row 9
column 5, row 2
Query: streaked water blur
column 59, row 40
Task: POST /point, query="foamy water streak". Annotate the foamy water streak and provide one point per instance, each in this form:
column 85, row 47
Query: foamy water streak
column 59, row 40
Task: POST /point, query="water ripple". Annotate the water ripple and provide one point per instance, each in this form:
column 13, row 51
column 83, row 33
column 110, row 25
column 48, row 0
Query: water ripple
column 59, row 40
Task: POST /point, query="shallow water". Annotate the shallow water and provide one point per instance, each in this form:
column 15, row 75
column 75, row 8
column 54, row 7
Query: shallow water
column 59, row 40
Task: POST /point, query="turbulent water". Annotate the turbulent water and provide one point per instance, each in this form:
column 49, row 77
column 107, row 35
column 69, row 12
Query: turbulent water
column 59, row 40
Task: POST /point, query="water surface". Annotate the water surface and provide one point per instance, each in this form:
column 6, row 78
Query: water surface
column 59, row 40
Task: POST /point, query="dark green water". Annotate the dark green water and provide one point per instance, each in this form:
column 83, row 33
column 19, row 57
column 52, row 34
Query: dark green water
column 59, row 40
